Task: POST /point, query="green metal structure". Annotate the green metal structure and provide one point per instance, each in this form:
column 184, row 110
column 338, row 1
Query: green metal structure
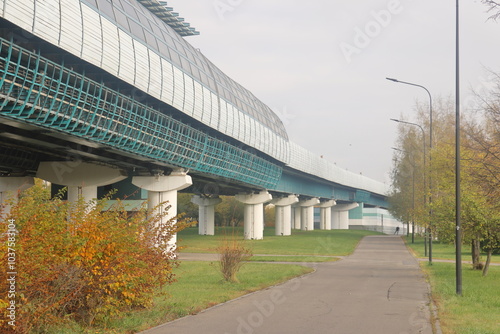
column 38, row 91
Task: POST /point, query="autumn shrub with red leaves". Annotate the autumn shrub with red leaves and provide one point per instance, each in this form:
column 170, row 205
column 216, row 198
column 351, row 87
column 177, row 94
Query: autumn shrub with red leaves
column 82, row 262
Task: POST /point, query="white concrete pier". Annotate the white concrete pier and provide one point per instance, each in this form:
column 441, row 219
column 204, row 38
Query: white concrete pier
column 206, row 213
column 254, row 213
column 326, row 215
column 162, row 195
column 283, row 207
column 307, row 213
column 340, row 215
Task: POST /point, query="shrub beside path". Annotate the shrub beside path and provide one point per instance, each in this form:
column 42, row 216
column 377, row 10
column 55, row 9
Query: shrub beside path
column 378, row 289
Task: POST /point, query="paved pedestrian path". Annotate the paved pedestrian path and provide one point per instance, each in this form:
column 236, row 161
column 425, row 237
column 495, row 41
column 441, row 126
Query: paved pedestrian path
column 379, row 289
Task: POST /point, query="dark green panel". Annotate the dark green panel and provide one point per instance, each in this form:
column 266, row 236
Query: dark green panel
column 295, row 184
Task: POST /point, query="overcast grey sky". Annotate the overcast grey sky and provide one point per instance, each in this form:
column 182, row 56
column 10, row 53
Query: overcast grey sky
column 321, row 65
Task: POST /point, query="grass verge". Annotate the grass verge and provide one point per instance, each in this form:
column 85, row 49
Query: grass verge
column 444, row 251
column 317, row 242
column 199, row 286
column 476, row 311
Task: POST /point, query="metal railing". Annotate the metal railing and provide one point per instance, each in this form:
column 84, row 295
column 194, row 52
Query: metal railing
column 36, row 90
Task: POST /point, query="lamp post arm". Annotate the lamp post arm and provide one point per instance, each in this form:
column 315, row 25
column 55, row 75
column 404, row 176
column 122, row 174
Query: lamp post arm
column 430, row 148
column 430, row 104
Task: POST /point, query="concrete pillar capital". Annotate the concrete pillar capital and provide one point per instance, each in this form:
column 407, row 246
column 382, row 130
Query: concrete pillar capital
column 310, row 202
column 263, row 197
column 162, row 183
column 340, row 215
column 81, row 178
column 205, row 201
column 78, row 173
column 285, row 201
column 9, row 183
column 327, row 204
column 345, row 207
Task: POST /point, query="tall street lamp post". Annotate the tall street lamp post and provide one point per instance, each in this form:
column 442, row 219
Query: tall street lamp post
column 458, row 233
column 424, row 176
column 430, row 157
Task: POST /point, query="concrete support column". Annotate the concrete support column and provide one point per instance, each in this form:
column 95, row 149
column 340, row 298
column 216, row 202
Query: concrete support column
column 206, row 216
column 81, row 178
column 254, row 213
column 163, row 190
column 9, row 189
column 283, row 207
column 296, row 217
column 340, row 215
column 326, row 215
column 307, row 213
column 86, row 192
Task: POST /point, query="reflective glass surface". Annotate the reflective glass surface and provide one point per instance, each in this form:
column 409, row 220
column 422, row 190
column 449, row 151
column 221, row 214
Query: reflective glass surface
column 132, row 17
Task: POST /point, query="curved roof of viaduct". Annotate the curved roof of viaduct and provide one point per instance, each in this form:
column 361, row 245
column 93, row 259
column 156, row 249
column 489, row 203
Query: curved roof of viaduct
column 141, row 42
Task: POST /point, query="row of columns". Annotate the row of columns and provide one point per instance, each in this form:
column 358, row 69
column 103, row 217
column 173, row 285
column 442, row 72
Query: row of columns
column 82, row 180
column 332, row 216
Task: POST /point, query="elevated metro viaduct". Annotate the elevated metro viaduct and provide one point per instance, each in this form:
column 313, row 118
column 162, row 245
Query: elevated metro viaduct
column 94, row 92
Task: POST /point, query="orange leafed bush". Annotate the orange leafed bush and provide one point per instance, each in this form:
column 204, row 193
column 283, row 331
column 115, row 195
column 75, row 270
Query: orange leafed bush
column 82, row 261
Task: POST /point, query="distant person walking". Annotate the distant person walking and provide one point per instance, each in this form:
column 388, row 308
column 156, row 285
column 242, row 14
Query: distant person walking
column 397, row 230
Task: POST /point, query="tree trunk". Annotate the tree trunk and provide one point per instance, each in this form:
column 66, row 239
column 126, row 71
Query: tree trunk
column 488, row 260
column 476, row 252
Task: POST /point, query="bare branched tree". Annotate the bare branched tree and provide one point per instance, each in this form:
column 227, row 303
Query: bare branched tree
column 494, row 8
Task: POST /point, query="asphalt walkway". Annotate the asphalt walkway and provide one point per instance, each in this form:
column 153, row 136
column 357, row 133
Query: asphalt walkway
column 379, row 289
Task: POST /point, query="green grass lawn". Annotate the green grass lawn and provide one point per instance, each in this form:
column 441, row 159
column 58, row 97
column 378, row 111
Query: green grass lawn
column 477, row 311
column 317, row 242
column 199, row 285
column 444, row 251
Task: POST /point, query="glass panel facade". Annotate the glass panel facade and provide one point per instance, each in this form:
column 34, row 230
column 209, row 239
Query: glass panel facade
column 308, row 162
column 127, row 57
column 122, row 36
column 71, row 38
column 111, row 47
column 144, row 26
column 106, row 8
column 155, row 75
column 92, row 37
